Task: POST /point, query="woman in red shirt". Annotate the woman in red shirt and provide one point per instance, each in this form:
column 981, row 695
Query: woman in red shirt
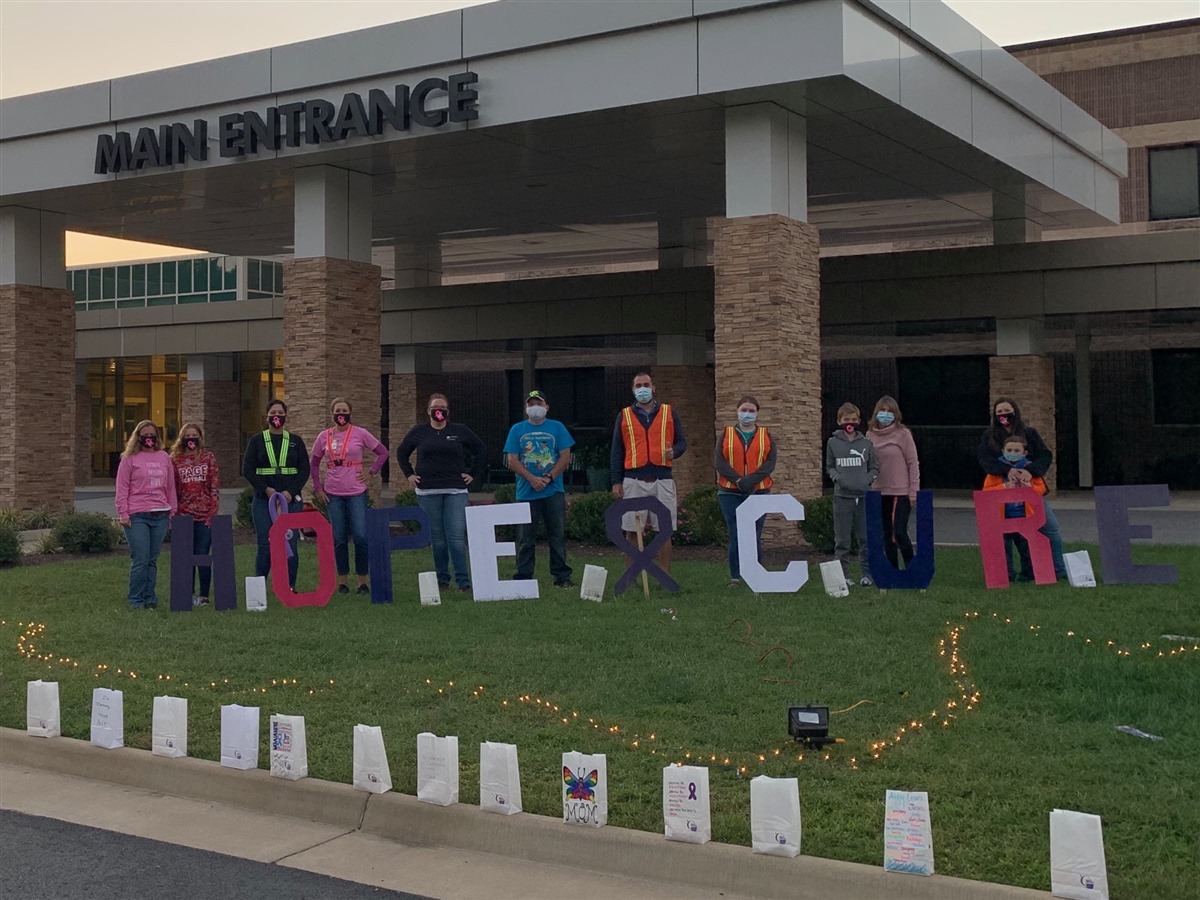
column 198, row 487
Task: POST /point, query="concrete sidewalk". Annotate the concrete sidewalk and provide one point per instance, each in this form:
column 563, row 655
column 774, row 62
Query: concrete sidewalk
column 394, row 841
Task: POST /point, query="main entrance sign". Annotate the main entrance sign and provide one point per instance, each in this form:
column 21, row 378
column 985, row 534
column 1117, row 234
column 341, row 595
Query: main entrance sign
column 292, row 124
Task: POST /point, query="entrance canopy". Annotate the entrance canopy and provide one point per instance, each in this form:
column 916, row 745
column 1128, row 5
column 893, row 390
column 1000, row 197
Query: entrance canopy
column 595, row 124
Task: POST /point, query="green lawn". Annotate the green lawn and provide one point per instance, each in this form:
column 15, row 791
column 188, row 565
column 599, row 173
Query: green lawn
column 647, row 689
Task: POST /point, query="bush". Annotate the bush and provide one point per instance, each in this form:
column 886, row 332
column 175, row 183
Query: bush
column 244, row 518
column 700, row 520
column 406, row 497
column 10, row 545
column 86, row 533
column 585, row 517
column 12, row 517
column 505, row 493
column 817, row 525
column 38, row 519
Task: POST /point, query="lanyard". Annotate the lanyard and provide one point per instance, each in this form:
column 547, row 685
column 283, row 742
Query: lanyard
column 333, row 455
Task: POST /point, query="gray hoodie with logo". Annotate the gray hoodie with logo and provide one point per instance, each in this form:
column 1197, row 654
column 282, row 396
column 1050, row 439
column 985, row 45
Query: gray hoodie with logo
column 851, row 463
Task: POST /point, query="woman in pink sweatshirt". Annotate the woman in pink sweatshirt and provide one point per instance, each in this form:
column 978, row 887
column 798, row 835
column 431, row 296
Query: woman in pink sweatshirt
column 899, row 477
column 145, row 503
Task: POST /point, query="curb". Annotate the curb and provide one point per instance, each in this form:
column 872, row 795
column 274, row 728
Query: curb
column 542, row 839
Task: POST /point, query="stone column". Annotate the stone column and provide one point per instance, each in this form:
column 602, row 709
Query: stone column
column 1022, row 371
column 418, row 373
column 212, row 400
column 83, row 426
column 683, row 379
column 331, row 303
column 37, row 363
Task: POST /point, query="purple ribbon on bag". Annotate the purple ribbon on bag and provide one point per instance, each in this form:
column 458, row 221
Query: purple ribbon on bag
column 277, row 506
column 691, row 790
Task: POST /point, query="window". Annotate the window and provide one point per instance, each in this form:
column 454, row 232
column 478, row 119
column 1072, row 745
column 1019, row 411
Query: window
column 183, row 276
column 252, row 277
column 138, row 274
column 122, row 282
column 1176, row 374
column 944, row 390
column 79, row 285
column 168, row 278
column 153, row 279
column 1175, row 182
column 93, row 284
column 200, row 274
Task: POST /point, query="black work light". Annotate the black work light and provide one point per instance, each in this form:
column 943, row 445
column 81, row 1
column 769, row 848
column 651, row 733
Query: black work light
column 810, row 725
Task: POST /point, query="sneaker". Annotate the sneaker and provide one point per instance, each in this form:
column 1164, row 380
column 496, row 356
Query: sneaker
column 363, row 589
column 734, row 583
column 464, row 589
column 343, row 589
column 565, row 583
column 199, row 601
column 866, row 581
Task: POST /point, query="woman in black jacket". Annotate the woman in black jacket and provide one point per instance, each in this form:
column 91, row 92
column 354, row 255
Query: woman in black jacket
column 276, row 462
column 1007, row 421
column 441, row 478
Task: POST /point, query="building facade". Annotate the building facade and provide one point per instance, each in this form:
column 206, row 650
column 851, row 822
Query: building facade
column 812, row 201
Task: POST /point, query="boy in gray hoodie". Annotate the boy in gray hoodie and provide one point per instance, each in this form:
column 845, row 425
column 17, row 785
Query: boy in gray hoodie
column 852, row 466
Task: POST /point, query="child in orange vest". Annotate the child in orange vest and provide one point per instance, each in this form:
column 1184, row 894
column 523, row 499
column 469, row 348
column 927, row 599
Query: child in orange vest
column 1015, row 452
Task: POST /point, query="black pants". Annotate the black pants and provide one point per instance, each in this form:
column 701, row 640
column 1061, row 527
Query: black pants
column 896, row 511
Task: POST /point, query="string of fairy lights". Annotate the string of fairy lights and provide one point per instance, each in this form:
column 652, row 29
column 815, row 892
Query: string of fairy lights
column 965, row 697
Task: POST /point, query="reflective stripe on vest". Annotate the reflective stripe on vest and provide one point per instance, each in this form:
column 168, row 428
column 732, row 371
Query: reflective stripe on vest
column 274, row 468
column 644, row 446
column 745, row 458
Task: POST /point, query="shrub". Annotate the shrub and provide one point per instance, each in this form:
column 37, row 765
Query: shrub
column 11, row 516
column 38, row 519
column 86, row 533
column 10, row 545
column 817, row 525
column 244, row 518
column 585, row 517
column 700, row 522
column 406, row 497
column 505, row 493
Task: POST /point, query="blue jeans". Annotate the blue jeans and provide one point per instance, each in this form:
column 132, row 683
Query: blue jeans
column 349, row 514
column 729, row 502
column 261, row 514
column 553, row 511
column 202, row 544
column 1050, row 530
column 145, row 534
column 448, row 529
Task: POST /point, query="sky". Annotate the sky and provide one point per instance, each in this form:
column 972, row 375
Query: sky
column 48, row 44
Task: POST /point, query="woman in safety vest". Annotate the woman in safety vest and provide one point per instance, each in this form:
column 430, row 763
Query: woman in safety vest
column 276, row 462
column 744, row 459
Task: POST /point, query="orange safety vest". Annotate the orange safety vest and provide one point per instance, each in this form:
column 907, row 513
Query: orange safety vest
column 647, row 445
column 745, row 458
column 997, row 483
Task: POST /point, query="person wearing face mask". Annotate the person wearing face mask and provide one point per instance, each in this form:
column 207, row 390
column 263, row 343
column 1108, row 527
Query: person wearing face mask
column 1006, row 421
column 1015, row 455
column 276, row 462
column 744, row 458
column 441, row 477
column 852, row 466
column 538, row 450
column 899, row 477
column 344, row 488
column 198, row 486
column 145, row 501
column 647, row 439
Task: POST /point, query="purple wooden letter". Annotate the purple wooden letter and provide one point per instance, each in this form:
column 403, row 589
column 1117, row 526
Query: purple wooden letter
column 640, row 559
column 220, row 559
column 1112, row 524
column 918, row 573
column 381, row 543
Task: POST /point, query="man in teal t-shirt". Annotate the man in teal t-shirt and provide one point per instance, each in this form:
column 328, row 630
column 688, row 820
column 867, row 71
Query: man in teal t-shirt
column 538, row 450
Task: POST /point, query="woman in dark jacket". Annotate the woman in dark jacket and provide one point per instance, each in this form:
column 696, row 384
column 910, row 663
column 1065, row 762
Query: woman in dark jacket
column 276, row 462
column 1006, row 421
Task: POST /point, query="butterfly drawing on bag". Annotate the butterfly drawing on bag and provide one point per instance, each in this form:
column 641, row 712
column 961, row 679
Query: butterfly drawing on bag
column 580, row 787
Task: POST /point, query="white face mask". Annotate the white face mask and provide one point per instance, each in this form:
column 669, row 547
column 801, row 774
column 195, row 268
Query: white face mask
column 536, row 412
column 746, row 417
column 643, row 394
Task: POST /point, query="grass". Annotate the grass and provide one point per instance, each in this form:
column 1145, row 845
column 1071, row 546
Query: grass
column 1042, row 734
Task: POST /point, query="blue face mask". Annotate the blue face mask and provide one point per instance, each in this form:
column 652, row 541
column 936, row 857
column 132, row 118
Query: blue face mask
column 1013, row 457
column 885, row 418
column 747, row 418
column 643, row 394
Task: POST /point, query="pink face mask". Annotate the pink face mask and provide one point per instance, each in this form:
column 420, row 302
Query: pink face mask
column 439, row 415
column 341, row 419
column 276, row 420
column 851, row 427
column 1004, row 420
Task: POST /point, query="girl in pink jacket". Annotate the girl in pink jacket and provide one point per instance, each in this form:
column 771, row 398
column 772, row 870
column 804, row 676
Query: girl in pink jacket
column 899, row 477
column 145, row 503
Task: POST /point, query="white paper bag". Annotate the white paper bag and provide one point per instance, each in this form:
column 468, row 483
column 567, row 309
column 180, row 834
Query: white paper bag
column 907, row 837
column 168, row 731
column 1079, row 569
column 256, row 593
column 437, row 769
column 239, row 736
column 594, row 580
column 1077, row 869
column 775, row 816
column 289, row 751
column 427, row 583
column 499, row 778
column 371, row 771
column 108, row 718
column 834, row 579
column 585, row 788
column 42, row 718
column 686, row 815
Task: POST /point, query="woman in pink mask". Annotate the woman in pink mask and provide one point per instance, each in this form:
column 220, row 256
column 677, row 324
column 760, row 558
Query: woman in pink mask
column 275, row 462
column 145, row 503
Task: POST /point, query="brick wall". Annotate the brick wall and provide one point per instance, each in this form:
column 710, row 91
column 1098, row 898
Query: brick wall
column 331, row 337
column 767, row 336
column 1029, row 380
column 689, row 389
column 214, row 405
column 37, row 397
column 83, row 434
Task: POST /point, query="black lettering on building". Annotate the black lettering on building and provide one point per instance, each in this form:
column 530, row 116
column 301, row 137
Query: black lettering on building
column 318, row 114
column 351, row 118
column 260, row 131
column 381, row 108
column 230, row 136
column 434, row 118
